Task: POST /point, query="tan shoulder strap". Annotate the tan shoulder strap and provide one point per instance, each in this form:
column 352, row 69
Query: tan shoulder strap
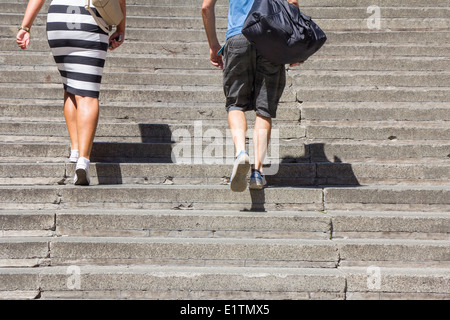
column 99, row 22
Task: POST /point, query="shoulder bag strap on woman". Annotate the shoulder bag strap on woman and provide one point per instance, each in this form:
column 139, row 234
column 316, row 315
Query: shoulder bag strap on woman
column 99, row 22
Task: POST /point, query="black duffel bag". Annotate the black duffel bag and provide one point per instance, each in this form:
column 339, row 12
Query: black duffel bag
column 281, row 33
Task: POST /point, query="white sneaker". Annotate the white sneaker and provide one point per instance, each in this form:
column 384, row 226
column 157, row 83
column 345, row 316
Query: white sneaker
column 74, row 154
column 82, row 172
column 238, row 181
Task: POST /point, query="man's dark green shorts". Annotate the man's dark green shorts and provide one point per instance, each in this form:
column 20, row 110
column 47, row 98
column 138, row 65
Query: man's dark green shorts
column 250, row 81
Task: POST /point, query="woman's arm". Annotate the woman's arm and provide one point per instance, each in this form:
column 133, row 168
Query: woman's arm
column 23, row 36
column 120, row 29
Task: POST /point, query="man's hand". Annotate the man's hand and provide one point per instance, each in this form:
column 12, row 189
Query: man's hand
column 216, row 59
column 294, row 2
column 296, row 64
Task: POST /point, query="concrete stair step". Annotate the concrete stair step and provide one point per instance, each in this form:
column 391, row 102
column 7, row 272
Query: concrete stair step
column 188, row 152
column 195, row 22
column 317, row 225
column 205, row 94
column 138, row 111
column 146, row 132
column 375, row 111
column 368, row 78
column 149, row 62
column 310, row 111
column 43, row 251
column 175, row 251
column 42, row 172
column 193, row 49
column 305, row 3
column 371, row 130
column 333, row 36
column 127, row 76
column 228, row 283
column 168, row 131
column 317, row 11
column 380, row 197
column 172, row 282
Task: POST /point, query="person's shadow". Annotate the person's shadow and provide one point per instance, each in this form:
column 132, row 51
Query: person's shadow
column 155, row 146
column 258, row 200
column 313, row 169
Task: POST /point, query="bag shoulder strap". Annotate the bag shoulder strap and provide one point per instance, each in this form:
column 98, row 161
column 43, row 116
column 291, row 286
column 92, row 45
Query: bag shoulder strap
column 99, row 22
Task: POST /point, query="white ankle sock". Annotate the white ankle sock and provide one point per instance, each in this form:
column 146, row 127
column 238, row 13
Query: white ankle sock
column 73, row 155
column 83, row 162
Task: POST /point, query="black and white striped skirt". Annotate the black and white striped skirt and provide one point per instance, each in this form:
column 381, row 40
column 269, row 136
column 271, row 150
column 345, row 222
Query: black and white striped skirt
column 79, row 46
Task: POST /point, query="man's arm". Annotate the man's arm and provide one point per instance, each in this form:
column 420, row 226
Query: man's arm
column 294, row 2
column 209, row 22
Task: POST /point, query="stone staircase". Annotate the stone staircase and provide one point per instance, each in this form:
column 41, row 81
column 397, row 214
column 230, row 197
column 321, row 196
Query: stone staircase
column 358, row 207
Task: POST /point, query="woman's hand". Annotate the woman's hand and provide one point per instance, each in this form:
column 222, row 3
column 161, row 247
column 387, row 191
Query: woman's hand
column 23, row 39
column 116, row 39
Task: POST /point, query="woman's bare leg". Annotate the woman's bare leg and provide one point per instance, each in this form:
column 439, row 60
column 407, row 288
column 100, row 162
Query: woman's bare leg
column 87, row 120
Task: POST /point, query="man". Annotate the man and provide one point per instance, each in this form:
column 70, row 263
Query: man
column 250, row 83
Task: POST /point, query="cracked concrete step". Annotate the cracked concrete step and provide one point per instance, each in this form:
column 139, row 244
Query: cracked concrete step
column 127, row 76
column 173, row 282
column 365, row 78
column 373, row 93
column 380, row 197
column 357, row 23
column 319, row 225
column 310, row 111
column 215, row 93
column 375, row 111
column 42, row 172
column 138, row 111
column 312, row 3
column 201, row 49
column 322, row 173
column 198, row 35
column 390, row 224
column 172, row 251
column 224, row 251
column 305, row 3
column 396, row 283
column 142, row 93
column 382, row 130
column 167, row 223
column 352, row 11
column 161, row 61
column 158, row 197
column 377, row 197
column 188, row 152
column 361, row 252
column 167, row 131
column 147, row 132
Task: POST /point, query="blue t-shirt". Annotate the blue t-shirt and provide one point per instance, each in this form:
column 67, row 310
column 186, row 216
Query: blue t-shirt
column 238, row 11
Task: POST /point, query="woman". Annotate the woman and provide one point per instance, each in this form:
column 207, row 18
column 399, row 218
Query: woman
column 79, row 48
